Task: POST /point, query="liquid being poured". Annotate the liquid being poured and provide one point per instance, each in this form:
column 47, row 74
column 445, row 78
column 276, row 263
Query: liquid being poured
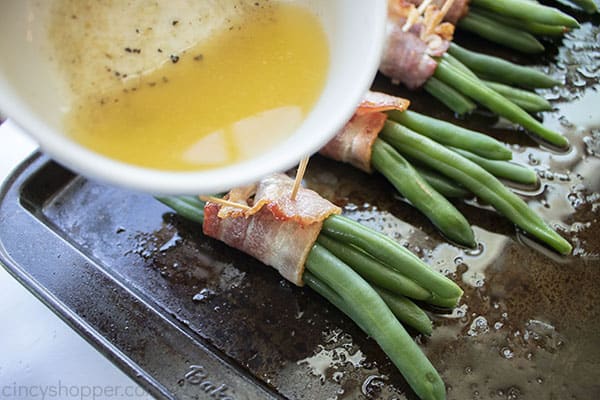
column 226, row 99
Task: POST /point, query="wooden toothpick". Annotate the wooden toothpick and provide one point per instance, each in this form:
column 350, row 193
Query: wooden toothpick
column 299, row 175
column 423, row 6
column 224, row 202
column 446, row 8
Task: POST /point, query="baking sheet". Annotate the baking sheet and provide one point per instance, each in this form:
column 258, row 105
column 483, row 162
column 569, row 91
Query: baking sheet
column 188, row 317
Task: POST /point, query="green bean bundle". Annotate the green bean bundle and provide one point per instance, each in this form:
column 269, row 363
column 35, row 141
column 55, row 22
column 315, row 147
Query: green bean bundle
column 474, row 178
column 410, row 59
column 370, row 278
column 424, row 189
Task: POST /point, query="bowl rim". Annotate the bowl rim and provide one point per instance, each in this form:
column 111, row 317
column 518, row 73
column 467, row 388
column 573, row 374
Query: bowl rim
column 97, row 166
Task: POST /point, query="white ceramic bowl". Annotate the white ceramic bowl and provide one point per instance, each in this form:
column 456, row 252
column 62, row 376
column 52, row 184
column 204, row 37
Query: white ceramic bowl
column 31, row 94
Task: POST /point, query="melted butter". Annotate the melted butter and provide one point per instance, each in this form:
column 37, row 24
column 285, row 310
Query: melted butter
column 224, row 100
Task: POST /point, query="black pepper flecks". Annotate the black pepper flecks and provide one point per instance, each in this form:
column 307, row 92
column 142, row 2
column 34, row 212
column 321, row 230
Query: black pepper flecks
column 133, row 50
column 199, row 57
column 175, row 22
column 174, row 58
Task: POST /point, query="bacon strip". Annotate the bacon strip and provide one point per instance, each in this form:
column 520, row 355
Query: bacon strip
column 406, row 60
column 377, row 101
column 354, row 143
column 411, row 41
column 276, row 230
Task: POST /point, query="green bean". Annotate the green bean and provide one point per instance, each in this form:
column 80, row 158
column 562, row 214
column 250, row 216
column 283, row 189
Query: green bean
column 499, row 33
column 458, row 65
column 192, row 200
column 496, row 102
column 442, row 184
column 449, row 96
column 474, row 178
column 525, row 99
column 535, row 28
column 589, row 6
column 330, row 295
column 372, row 312
column 452, row 135
column 390, row 253
column 421, row 195
column 183, row 207
column 528, row 10
column 406, row 311
column 374, row 271
column 502, row 169
column 500, row 70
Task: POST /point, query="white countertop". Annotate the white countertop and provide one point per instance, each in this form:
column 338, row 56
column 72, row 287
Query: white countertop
column 42, row 357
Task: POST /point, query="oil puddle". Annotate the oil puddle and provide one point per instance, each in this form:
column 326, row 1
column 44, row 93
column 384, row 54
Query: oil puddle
column 329, row 361
column 577, row 63
column 181, row 260
column 343, row 370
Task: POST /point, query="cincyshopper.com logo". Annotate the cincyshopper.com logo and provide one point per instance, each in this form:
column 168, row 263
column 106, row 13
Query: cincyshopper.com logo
column 69, row 392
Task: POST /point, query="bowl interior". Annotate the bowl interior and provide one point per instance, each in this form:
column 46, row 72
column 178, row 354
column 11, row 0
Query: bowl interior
column 34, row 94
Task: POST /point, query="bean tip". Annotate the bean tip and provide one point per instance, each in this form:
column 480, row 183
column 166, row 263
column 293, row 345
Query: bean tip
column 571, row 22
column 427, row 329
column 555, row 82
column 538, row 48
column 563, row 143
column 565, row 247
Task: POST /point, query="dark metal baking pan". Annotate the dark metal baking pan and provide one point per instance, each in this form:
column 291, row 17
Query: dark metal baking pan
column 188, row 317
